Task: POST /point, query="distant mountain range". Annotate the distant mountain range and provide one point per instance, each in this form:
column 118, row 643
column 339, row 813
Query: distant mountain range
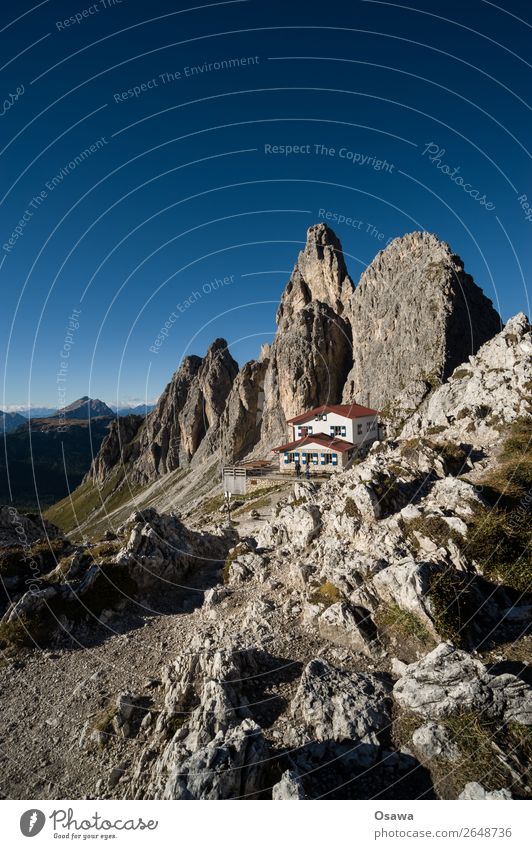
column 10, row 421
column 51, row 449
column 24, row 413
column 84, row 408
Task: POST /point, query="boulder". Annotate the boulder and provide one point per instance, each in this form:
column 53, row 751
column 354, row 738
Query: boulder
column 289, row 787
column 350, row 626
column 433, row 741
column 475, row 791
column 449, row 681
column 336, row 705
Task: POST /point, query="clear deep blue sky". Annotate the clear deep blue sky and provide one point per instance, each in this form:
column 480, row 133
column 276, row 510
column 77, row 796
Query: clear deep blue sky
column 180, row 190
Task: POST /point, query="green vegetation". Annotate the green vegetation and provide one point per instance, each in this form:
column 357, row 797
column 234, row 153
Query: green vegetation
column 432, row 431
column 326, row 595
column 479, row 742
column 453, row 455
column 103, row 722
column 112, row 584
column 389, row 493
column 453, row 605
column 402, row 623
column 88, row 499
column 15, row 560
column 502, row 548
column 58, row 460
column 500, row 535
column 434, row 528
column 22, row 633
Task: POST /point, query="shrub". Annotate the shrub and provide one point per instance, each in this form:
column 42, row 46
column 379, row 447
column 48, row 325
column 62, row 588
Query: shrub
column 27, row 631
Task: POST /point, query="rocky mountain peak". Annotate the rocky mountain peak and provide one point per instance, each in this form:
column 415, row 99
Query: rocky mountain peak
column 415, row 316
column 320, row 274
column 85, row 408
column 185, row 419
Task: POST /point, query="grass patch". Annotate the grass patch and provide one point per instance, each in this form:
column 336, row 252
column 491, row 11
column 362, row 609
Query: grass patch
column 453, row 606
column 475, row 738
column 15, row 560
column 432, row 431
column 350, row 508
column 500, row 536
column 103, row 722
column 326, row 595
column 500, row 543
column 402, row 622
column 434, row 528
column 453, row 455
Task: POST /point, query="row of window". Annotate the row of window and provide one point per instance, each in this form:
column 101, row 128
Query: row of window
column 323, row 458
column 336, row 430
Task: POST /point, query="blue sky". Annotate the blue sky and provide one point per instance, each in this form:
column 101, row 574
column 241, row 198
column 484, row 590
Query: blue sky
column 152, row 138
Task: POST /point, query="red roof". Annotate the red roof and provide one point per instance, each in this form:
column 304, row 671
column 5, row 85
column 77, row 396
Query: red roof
column 331, row 442
column 348, row 411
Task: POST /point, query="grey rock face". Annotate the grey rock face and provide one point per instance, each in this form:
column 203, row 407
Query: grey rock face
column 184, row 422
column 309, row 361
column 205, row 403
column 415, row 316
column 311, row 353
column 228, row 767
column 241, row 421
column 433, row 741
column 487, row 391
column 320, row 274
column 24, row 528
column 289, row 787
column 117, row 448
column 349, row 626
column 475, row 791
column 339, row 706
column 449, row 681
column 159, row 440
column 295, row 526
column 160, row 546
column 205, row 744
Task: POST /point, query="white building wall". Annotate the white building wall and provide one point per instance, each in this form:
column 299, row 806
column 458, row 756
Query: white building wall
column 350, row 427
column 318, row 453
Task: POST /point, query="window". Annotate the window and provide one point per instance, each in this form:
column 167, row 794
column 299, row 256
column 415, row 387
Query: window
column 321, row 418
column 337, row 430
column 359, row 429
column 369, row 425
